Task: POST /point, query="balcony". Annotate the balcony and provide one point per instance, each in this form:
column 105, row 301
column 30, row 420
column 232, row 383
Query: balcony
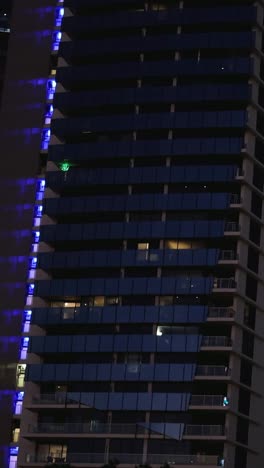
column 228, row 256
column 204, row 430
column 213, row 371
column 128, row 459
column 216, row 342
column 94, row 428
column 232, row 227
column 209, row 401
column 235, row 199
column 224, row 283
column 220, row 313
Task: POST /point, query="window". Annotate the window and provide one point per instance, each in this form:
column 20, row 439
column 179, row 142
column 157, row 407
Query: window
column 16, row 434
column 165, row 300
column 112, row 300
column 183, row 244
column 142, row 253
column 99, row 301
column 143, row 246
column 21, row 369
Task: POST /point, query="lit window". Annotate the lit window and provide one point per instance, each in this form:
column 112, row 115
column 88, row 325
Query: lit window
column 99, row 301
column 113, row 300
column 20, row 376
column 166, row 300
column 183, row 244
column 16, row 434
column 143, row 246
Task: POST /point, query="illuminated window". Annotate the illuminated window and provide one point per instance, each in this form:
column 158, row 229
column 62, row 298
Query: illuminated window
column 68, row 314
column 65, row 304
column 183, row 244
column 143, row 246
column 159, row 6
column 16, row 434
column 112, row 300
column 71, row 304
column 93, row 301
column 58, row 451
column 142, row 253
column 166, row 300
column 99, row 301
column 20, row 376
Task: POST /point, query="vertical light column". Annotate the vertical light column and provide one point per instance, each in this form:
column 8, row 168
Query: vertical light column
column 33, row 261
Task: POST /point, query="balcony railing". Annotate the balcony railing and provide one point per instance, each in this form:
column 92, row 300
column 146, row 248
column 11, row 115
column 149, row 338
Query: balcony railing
column 213, row 371
column 224, row 283
column 228, row 255
column 235, row 199
column 91, row 427
column 232, row 226
column 207, row 400
column 204, row 430
column 211, row 341
column 129, row 458
column 75, row 398
column 221, row 312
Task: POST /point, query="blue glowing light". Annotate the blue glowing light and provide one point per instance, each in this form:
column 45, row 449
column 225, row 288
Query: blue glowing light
column 49, row 111
column 38, row 211
column 20, row 396
column 41, row 185
column 25, row 341
column 56, row 40
column 33, row 263
column 51, row 86
column 13, row 450
column 59, row 16
column 36, row 236
column 31, row 288
column 45, row 139
column 27, row 315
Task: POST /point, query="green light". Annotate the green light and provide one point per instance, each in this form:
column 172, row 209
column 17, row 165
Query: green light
column 65, row 166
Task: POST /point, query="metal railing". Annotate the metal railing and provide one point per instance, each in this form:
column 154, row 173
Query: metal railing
column 224, row 283
column 221, row 312
column 235, row 199
column 223, row 341
column 75, row 398
column 91, row 427
column 207, row 400
column 129, row 458
column 232, row 226
column 204, row 430
column 228, row 255
column 214, row 371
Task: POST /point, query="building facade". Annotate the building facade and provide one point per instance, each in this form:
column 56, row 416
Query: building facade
column 143, row 333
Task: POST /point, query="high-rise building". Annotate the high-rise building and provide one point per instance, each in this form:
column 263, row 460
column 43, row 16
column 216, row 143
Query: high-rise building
column 143, row 330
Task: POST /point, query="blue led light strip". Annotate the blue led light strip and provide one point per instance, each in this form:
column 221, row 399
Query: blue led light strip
column 45, row 139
